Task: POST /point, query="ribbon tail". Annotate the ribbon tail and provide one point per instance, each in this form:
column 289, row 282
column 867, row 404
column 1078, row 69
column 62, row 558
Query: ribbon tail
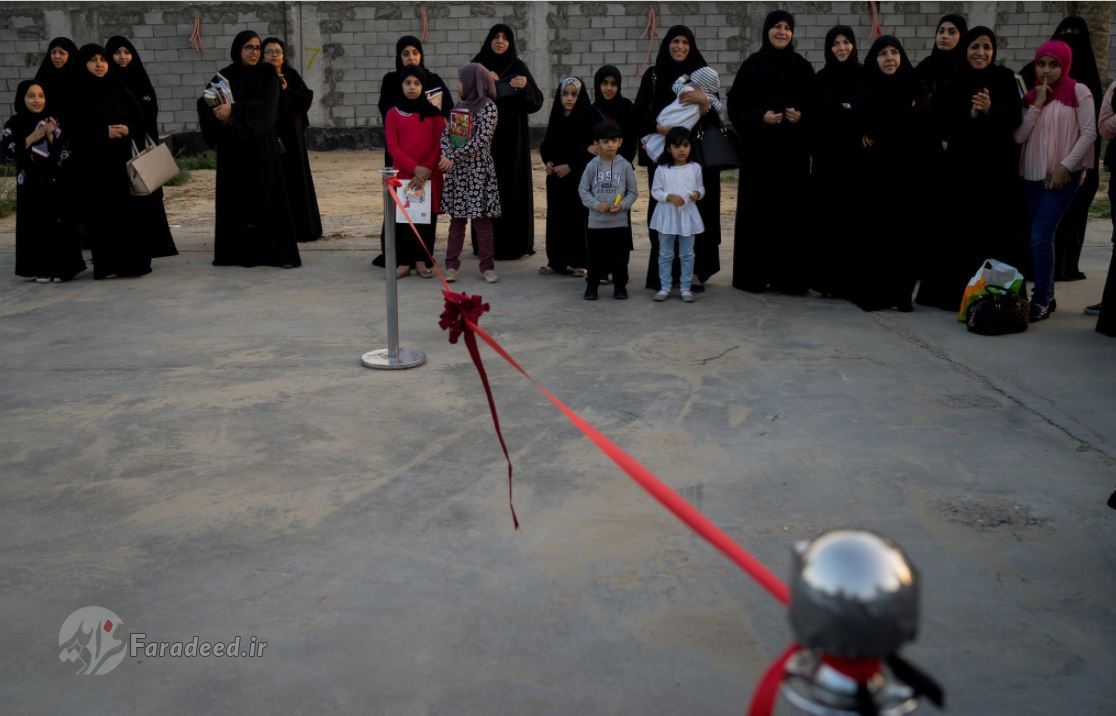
column 763, row 700
column 474, row 353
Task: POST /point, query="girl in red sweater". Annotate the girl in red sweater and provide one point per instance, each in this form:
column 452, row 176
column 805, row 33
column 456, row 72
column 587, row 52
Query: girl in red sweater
column 413, row 131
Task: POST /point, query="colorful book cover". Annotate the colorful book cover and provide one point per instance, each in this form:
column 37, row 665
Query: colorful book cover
column 417, row 202
column 460, row 127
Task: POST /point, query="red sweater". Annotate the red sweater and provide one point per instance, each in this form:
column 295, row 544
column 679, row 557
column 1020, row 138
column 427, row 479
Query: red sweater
column 413, row 143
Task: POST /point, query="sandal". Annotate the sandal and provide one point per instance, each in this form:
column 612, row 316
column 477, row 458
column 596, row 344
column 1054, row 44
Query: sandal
column 546, row 270
column 401, row 271
column 580, row 273
column 425, row 272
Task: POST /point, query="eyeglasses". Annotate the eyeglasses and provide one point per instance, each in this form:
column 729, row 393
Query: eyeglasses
column 274, row 52
column 251, row 48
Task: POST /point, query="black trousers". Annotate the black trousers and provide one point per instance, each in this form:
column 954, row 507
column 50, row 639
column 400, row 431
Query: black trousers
column 609, row 250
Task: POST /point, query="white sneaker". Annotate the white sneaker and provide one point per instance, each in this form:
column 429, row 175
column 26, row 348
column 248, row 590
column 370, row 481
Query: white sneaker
column 688, row 296
column 490, row 276
column 662, row 296
column 451, row 275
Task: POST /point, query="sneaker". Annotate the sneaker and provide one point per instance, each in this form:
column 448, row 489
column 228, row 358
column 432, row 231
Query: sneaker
column 620, row 294
column 590, row 296
column 451, row 275
column 490, row 276
column 42, row 280
column 1039, row 313
column 687, row 296
column 1093, row 310
column 661, row 296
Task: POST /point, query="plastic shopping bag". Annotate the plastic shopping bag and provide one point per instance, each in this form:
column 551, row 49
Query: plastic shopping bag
column 993, row 278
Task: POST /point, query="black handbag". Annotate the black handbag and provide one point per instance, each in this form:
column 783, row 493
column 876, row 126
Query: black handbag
column 716, row 148
column 999, row 314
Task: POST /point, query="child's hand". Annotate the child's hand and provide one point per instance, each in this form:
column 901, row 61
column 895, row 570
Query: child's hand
column 676, row 200
column 695, row 195
column 793, row 115
column 549, row 168
column 562, row 170
column 593, row 149
column 615, row 209
column 445, row 165
column 770, row 117
column 602, row 207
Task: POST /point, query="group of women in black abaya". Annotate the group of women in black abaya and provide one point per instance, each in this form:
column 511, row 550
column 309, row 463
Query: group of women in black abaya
column 70, row 138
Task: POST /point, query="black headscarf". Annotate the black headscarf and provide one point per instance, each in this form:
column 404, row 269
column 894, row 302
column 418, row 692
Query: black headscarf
column 238, row 44
column 24, row 121
column 895, row 91
column 779, row 66
column 402, row 44
column 59, row 84
column 134, row 75
column 491, row 61
column 837, row 81
column 1084, row 67
column 968, row 76
column 667, row 70
column 616, row 105
column 420, row 106
column 939, row 66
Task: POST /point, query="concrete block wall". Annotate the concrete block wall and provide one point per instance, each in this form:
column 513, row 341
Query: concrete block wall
column 344, row 49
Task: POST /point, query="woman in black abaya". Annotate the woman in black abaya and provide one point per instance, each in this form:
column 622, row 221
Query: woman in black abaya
column 513, row 232
column 836, row 148
column 1074, row 31
column 152, row 217
column 771, row 107
column 564, row 151
column 976, row 112
column 946, row 55
column 679, row 55
column 891, row 107
column 32, row 140
column 610, row 104
column 295, row 99
column 101, row 137
column 254, row 225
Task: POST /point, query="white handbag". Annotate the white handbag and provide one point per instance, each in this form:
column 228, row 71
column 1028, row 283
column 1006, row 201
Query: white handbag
column 150, row 169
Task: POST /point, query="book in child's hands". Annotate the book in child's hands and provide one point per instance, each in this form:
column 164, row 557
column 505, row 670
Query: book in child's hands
column 417, row 203
column 460, row 127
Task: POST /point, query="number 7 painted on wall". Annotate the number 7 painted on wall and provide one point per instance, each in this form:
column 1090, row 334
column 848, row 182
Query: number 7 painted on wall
column 313, row 52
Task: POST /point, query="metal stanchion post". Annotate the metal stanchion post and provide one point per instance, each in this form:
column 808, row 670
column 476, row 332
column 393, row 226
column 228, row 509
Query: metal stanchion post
column 393, row 357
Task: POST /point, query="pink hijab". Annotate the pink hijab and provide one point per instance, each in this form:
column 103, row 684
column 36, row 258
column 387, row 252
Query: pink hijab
column 477, row 87
column 1065, row 89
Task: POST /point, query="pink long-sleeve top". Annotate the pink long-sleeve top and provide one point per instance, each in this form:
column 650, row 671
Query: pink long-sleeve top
column 1057, row 134
column 1107, row 122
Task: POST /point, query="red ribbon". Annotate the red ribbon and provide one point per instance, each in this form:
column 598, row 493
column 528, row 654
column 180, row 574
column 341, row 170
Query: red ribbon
column 874, row 15
column 651, row 32
column 767, row 691
column 425, row 18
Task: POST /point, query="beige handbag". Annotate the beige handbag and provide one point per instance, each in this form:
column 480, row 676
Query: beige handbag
column 150, row 169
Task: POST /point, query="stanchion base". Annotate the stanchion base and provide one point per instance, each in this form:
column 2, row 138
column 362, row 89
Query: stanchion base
column 407, row 358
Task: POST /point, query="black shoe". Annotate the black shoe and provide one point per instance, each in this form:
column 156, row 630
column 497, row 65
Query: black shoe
column 1075, row 276
column 620, row 294
column 1054, row 304
column 590, row 295
column 697, row 287
column 1039, row 313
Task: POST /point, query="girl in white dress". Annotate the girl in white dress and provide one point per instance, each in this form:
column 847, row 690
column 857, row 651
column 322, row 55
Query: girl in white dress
column 677, row 186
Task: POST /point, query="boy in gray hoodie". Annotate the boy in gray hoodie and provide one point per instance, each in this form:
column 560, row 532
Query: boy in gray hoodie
column 608, row 189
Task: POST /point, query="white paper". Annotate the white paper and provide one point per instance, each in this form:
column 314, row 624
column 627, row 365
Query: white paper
column 417, row 203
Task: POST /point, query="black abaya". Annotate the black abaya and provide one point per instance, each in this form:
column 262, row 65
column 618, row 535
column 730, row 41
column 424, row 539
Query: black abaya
column 891, row 111
column 567, row 140
column 836, row 150
column 254, row 225
column 111, row 214
column 151, row 214
column 984, row 191
column 513, row 232
column 654, row 94
column 769, row 244
column 290, row 126
column 45, row 247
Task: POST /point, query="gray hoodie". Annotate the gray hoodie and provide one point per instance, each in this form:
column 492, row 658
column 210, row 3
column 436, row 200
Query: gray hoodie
column 601, row 183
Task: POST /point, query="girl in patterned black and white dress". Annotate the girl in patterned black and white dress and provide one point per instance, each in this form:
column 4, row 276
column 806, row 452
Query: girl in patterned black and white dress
column 470, row 191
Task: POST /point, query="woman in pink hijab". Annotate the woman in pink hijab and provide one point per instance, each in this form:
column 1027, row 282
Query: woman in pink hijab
column 1058, row 130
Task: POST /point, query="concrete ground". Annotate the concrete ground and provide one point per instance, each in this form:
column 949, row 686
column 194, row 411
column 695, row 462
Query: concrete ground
column 201, row 452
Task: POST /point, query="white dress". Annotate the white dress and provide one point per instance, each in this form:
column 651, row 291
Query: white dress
column 682, row 180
